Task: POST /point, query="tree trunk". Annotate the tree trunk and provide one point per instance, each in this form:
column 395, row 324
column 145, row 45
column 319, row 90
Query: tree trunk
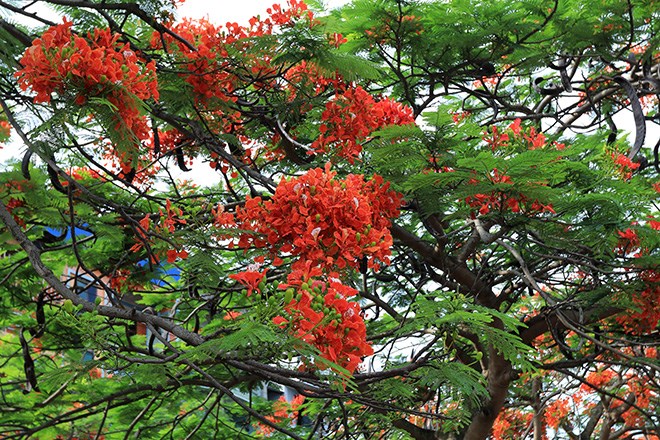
column 538, row 408
column 500, row 375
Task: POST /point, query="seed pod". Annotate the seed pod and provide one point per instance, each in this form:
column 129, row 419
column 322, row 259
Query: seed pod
column 41, row 317
column 28, row 365
column 363, row 265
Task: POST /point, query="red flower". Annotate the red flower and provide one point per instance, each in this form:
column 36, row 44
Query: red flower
column 232, row 315
column 5, row 130
column 647, row 316
column 515, row 126
column 555, row 412
column 535, row 140
column 495, row 139
column 460, row 117
column 502, row 200
column 624, row 165
column 654, row 224
column 250, row 279
column 336, row 39
column 173, row 254
column 629, row 235
column 209, row 68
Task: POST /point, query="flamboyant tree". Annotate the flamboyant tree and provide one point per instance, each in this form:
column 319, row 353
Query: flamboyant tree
column 422, row 217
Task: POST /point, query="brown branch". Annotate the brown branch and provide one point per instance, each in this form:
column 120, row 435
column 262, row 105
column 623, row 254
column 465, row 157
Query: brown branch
column 415, row 431
column 15, row 32
column 22, row 11
column 457, row 270
column 131, row 8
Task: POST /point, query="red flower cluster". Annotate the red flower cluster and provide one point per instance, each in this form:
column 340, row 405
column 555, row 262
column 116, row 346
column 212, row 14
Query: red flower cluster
column 282, row 411
column 529, row 138
column 121, row 281
column 352, row 116
column 5, row 131
column 535, row 140
column 206, row 64
column 308, row 75
column 632, row 416
column 12, row 194
column 647, row 316
column 496, row 139
column 503, row 200
column 556, row 411
column 336, row 40
column 500, row 141
column 172, row 217
column 511, row 423
column 11, row 205
column 621, row 383
column 174, row 254
column 168, row 141
column 329, row 222
column 628, row 241
column 212, row 73
column 624, row 166
column 459, row 117
column 99, row 66
column 653, row 223
column 283, row 17
column 321, row 315
column 82, row 173
column 167, row 222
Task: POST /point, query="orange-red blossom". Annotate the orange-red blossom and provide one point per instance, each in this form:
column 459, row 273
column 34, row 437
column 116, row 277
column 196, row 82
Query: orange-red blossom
column 318, row 218
column 321, row 315
column 99, row 66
